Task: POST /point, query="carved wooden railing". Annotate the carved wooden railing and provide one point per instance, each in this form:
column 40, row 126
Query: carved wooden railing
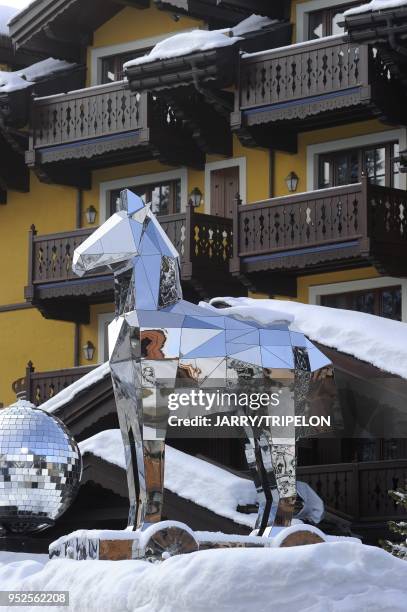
column 358, row 491
column 369, row 214
column 200, row 239
column 38, row 387
column 87, row 113
column 307, row 70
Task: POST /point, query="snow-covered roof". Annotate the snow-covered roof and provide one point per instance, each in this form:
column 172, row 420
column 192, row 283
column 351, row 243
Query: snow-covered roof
column 375, row 5
column 207, row 485
column 6, row 14
column 201, row 40
column 379, row 341
column 26, row 77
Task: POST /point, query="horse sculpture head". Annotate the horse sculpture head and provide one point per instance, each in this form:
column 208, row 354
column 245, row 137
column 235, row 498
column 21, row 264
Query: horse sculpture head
column 132, row 238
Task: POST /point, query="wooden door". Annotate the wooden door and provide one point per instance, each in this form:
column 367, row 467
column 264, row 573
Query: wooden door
column 224, row 187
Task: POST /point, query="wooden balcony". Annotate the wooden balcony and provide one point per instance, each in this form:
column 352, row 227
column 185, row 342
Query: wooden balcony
column 312, row 85
column 203, row 241
column 358, row 492
column 325, row 230
column 38, row 387
column 73, row 133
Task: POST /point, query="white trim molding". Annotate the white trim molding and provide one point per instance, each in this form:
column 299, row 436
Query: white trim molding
column 218, row 165
column 315, row 292
column 105, row 317
column 97, row 54
column 304, row 8
column 142, row 179
column 398, row 135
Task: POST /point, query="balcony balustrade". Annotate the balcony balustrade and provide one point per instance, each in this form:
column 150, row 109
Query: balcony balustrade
column 204, row 243
column 312, row 85
column 355, row 225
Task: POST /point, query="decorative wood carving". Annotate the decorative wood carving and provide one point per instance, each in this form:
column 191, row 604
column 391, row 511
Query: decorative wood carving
column 355, row 223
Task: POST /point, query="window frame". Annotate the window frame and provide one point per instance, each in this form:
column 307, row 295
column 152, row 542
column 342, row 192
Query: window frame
column 377, row 293
column 361, row 151
column 98, row 53
column 119, row 59
column 303, row 9
column 149, row 187
column 315, row 292
column 328, row 13
column 142, row 179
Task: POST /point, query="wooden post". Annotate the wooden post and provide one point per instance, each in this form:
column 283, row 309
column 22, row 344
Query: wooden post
column 28, row 381
column 186, row 268
column 29, row 290
column 234, row 265
column 365, row 215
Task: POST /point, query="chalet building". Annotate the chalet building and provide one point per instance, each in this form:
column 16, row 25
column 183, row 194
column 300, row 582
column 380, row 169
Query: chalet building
column 270, row 138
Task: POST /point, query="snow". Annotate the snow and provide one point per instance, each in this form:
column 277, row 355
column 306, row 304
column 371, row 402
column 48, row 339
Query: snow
column 185, row 43
column 376, row 340
column 26, row 77
column 67, row 395
column 375, row 5
column 251, row 24
column 201, row 482
column 201, row 40
column 334, row 577
column 6, row 14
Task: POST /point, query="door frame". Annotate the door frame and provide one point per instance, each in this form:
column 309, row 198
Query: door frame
column 240, row 162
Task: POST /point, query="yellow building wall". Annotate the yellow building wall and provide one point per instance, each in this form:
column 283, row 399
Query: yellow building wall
column 24, row 334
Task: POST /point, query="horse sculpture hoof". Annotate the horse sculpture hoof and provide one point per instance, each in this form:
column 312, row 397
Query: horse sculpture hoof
column 166, row 539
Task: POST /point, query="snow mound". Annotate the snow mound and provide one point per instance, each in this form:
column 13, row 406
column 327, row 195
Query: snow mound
column 26, row 77
column 334, row 577
column 379, row 341
column 375, row 5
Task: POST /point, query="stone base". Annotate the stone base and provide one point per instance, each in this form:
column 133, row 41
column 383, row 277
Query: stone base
column 168, row 538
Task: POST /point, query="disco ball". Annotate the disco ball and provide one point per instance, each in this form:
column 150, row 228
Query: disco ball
column 40, row 468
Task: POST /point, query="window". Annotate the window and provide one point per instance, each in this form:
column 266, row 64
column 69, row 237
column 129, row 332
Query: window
column 165, row 197
column 326, row 21
column 112, row 66
column 383, row 301
column 346, row 167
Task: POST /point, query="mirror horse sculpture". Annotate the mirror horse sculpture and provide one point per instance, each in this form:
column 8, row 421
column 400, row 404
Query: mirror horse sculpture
column 160, row 340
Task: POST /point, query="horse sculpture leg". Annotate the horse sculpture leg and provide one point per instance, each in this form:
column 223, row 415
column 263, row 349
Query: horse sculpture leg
column 258, row 456
column 274, row 474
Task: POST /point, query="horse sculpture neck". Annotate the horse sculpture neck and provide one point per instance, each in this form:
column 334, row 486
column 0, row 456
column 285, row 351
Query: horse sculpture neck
column 150, row 280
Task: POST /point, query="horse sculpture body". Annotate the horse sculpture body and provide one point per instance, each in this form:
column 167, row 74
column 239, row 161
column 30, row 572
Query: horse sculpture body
column 160, row 340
